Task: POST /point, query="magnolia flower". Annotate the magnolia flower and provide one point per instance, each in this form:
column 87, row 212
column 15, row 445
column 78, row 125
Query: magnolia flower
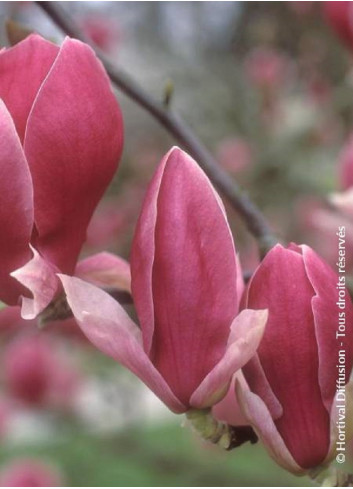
column 186, row 286
column 60, row 143
column 290, row 397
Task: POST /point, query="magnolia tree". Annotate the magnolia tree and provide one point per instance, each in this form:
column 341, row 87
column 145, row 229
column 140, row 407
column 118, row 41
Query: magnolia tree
column 264, row 357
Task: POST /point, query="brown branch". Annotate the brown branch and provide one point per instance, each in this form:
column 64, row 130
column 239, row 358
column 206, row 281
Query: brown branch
column 252, row 216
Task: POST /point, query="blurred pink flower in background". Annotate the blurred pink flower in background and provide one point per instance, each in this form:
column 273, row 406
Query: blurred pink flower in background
column 186, row 285
column 37, row 373
column 345, row 165
column 61, row 141
column 339, row 16
column 270, row 73
column 103, row 31
column 319, row 223
column 266, row 68
column 30, row 472
column 318, row 88
column 234, row 154
column 11, row 323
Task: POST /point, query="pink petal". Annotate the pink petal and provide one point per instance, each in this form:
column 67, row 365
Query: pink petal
column 16, row 207
column 194, row 275
column 105, row 269
column 73, row 142
column 261, row 386
column 257, row 414
column 324, row 281
column 281, row 284
column 240, row 281
column 22, row 71
column 39, row 276
column 142, row 257
column 228, row 410
column 109, row 328
column 246, row 333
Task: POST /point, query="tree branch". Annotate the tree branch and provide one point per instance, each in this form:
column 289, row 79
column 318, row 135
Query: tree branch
column 252, row 216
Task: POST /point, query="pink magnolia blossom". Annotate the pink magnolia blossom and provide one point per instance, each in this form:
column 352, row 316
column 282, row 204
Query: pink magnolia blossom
column 30, row 472
column 36, row 373
column 290, row 397
column 340, row 17
column 186, row 286
column 61, row 139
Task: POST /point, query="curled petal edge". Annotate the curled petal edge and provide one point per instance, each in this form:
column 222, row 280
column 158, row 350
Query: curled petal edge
column 256, row 412
column 245, row 335
column 39, row 277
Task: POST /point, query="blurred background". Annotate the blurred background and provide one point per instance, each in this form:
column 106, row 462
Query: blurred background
column 269, row 87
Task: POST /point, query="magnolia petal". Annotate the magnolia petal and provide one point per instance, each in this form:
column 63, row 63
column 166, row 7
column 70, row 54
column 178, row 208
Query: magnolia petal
column 39, row 276
column 105, row 270
column 260, row 384
column 326, row 316
column 73, row 143
column 257, row 414
column 142, row 257
column 16, row 207
column 228, row 410
column 109, row 328
column 22, row 71
column 246, row 333
column 240, row 281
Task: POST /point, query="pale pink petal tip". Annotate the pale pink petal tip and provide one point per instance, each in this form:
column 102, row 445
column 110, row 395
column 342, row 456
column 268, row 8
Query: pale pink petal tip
column 39, row 276
column 246, row 333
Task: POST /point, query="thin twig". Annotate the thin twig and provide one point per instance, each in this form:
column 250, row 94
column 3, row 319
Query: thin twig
column 252, row 216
